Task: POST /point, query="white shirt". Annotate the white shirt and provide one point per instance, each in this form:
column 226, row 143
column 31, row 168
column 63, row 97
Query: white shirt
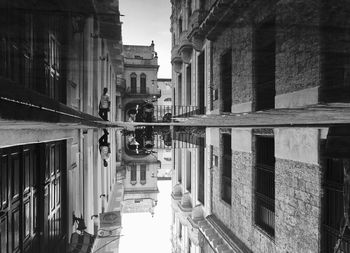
column 105, row 101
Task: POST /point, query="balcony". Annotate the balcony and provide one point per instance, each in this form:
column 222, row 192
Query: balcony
column 186, row 203
column 143, row 92
column 176, row 59
column 120, row 84
column 194, row 35
column 177, row 192
column 196, row 19
column 185, row 47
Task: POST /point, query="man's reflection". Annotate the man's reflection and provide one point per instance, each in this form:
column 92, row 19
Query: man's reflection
column 104, row 147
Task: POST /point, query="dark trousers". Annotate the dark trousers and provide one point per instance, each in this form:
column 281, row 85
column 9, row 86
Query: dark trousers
column 103, row 113
column 104, row 138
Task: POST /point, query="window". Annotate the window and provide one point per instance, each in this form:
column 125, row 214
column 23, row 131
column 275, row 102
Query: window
column 188, row 170
column 201, row 82
column 133, row 170
column 143, row 174
column 133, row 88
column 333, row 206
column 188, row 84
column 226, row 168
column 179, row 167
column 179, row 85
column 264, row 64
column 180, row 230
column 226, row 81
column 143, row 83
column 265, row 184
column 201, row 158
column 180, row 26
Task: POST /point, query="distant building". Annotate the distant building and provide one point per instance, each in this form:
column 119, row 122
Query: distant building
column 165, row 85
column 140, row 75
column 165, row 101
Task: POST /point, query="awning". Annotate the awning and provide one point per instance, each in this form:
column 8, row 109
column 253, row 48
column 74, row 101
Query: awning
column 81, row 243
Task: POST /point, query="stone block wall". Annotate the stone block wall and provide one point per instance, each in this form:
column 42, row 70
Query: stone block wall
column 297, row 192
column 297, row 206
column 297, row 52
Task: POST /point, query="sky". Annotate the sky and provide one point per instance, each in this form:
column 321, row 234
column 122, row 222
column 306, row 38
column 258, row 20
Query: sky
column 143, row 233
column 147, row 20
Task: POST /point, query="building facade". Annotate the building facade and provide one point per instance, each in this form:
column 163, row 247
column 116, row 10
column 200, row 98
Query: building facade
column 57, row 57
column 165, row 101
column 140, row 75
column 265, row 190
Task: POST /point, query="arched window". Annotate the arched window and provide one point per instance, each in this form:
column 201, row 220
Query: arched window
column 143, row 173
column 133, row 171
column 133, row 88
column 143, row 83
column 180, row 26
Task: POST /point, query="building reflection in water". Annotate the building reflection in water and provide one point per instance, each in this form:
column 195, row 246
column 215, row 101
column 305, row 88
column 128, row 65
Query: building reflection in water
column 236, row 189
column 241, row 190
column 144, row 161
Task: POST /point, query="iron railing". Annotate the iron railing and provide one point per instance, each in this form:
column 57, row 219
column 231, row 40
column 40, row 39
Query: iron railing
column 265, row 184
column 167, row 113
column 187, row 111
column 143, row 91
column 226, row 177
column 333, row 209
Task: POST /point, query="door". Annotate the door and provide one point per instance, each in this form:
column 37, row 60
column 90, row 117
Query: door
column 30, row 198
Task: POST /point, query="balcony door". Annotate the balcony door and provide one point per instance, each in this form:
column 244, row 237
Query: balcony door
column 143, row 89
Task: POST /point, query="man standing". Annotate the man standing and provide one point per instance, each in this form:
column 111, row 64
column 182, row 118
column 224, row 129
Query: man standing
column 105, row 104
column 104, row 147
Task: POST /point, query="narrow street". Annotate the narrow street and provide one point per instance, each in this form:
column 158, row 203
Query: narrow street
column 180, row 126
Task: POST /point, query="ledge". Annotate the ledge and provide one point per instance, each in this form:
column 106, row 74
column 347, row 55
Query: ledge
column 20, row 103
column 218, row 230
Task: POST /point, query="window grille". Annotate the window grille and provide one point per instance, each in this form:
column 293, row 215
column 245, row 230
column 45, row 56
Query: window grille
column 265, row 184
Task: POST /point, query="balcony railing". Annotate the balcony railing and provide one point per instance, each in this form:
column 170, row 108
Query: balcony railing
column 167, row 113
column 187, row 111
column 142, row 92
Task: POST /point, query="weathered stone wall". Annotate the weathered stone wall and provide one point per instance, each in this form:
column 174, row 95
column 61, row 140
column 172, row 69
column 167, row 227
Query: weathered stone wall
column 297, row 50
column 297, row 192
column 129, row 51
column 298, row 55
column 297, row 206
column 238, row 40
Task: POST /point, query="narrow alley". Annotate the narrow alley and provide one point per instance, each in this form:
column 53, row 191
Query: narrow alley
column 180, row 126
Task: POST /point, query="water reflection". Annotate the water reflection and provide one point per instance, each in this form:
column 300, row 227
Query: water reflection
column 228, row 187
